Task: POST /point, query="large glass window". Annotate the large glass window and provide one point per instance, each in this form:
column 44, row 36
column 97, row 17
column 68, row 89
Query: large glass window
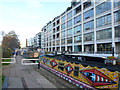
column 104, row 48
column 105, row 20
column 77, row 29
column 89, row 37
column 89, row 14
column 53, row 43
column 89, row 48
column 69, row 15
column 63, row 41
column 63, row 26
column 117, row 16
column 77, row 19
column 103, row 7
column 69, row 23
column 77, row 48
column 104, row 34
column 58, row 42
column 63, row 19
column 89, row 25
column 117, row 31
column 69, row 32
column 62, row 34
column 69, row 40
column 78, row 39
column 87, row 4
column 58, row 35
column 116, row 3
column 77, row 10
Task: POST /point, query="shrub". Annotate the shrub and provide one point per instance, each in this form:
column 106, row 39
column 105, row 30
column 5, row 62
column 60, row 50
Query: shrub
column 111, row 57
column 7, row 52
column 46, row 52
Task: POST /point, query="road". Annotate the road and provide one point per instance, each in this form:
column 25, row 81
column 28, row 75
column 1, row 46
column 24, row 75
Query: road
column 20, row 76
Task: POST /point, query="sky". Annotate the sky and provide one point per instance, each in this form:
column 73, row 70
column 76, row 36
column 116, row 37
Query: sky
column 28, row 17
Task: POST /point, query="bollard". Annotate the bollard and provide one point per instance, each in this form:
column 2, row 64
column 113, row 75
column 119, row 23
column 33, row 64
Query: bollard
column 38, row 65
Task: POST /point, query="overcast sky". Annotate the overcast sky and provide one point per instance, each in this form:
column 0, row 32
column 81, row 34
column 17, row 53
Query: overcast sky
column 27, row 17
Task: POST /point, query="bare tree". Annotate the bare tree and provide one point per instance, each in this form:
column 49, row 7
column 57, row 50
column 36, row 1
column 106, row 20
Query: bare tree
column 10, row 42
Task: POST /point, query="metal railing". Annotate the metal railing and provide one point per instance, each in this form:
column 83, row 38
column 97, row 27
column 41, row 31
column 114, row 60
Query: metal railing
column 22, row 62
column 14, row 60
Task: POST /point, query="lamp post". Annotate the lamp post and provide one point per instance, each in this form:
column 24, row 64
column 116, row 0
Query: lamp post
column 113, row 51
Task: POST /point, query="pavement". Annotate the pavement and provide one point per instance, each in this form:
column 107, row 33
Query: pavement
column 20, row 76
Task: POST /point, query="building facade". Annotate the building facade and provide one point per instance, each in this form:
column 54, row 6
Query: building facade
column 88, row 26
column 37, row 41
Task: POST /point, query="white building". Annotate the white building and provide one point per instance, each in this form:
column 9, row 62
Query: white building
column 92, row 27
column 37, row 41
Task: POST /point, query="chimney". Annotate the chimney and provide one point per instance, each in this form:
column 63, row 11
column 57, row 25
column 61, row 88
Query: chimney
column 26, row 43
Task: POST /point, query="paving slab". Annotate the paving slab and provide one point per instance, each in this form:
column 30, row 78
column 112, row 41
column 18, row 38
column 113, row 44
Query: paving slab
column 14, row 82
column 32, row 79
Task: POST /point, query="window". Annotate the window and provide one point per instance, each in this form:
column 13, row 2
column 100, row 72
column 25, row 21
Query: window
column 77, row 48
column 61, row 66
column 69, row 32
column 87, row 4
column 117, row 16
column 78, row 39
column 103, row 7
column 53, row 24
column 88, row 25
column 104, row 34
column 63, row 41
column 76, row 71
column 63, row 26
column 58, row 28
column 48, row 62
column 63, row 19
column 53, row 36
column 54, row 30
column 77, row 10
column 69, row 15
column 89, row 37
column 58, row 35
column 58, row 21
column 62, row 34
column 69, row 23
column 89, row 14
column 117, row 31
column 104, row 47
column 116, row 3
column 50, row 43
column 69, row 40
column 77, row 19
column 58, row 42
column 53, row 43
column 77, row 29
column 105, row 20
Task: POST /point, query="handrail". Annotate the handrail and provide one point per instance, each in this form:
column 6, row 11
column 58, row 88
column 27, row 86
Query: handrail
column 8, row 58
column 22, row 62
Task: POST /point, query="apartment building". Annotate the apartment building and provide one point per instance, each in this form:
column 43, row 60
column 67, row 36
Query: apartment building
column 37, row 41
column 91, row 26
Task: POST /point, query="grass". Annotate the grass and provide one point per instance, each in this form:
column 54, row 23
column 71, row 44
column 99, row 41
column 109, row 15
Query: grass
column 6, row 60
